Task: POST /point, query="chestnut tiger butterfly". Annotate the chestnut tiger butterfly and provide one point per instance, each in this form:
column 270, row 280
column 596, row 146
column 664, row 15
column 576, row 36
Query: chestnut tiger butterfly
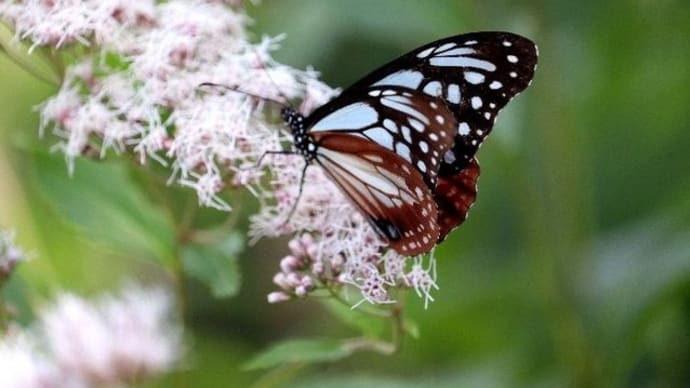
column 401, row 142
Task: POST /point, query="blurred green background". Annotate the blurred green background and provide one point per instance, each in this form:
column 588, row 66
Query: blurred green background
column 572, row 270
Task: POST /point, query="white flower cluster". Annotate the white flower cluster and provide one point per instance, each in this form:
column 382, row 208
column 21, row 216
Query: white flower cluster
column 138, row 91
column 115, row 342
column 332, row 262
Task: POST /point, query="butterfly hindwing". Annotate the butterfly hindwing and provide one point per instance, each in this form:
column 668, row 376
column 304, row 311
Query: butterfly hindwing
column 384, row 187
column 454, row 195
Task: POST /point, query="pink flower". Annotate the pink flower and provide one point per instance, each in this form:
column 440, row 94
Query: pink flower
column 24, row 366
column 137, row 92
column 121, row 338
column 10, row 254
column 115, row 341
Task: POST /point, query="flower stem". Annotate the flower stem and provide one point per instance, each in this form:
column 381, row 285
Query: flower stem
column 364, row 343
column 3, row 318
column 397, row 321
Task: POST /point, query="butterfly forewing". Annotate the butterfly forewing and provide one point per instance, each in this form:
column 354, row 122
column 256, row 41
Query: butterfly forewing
column 476, row 75
column 417, row 127
column 384, row 187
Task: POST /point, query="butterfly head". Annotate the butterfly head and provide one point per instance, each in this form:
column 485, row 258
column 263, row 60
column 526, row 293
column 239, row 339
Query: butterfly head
column 290, row 116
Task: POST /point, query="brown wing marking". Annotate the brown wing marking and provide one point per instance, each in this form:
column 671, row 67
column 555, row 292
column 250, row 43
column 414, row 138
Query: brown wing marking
column 384, row 187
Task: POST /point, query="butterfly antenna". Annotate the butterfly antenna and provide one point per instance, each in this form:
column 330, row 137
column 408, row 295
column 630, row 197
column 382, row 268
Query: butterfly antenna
column 236, row 89
column 262, row 65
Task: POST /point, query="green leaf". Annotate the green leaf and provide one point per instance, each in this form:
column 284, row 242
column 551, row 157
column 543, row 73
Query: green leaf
column 107, row 206
column 215, row 265
column 634, row 272
column 19, row 54
column 300, row 350
column 411, row 328
column 626, row 279
column 370, row 326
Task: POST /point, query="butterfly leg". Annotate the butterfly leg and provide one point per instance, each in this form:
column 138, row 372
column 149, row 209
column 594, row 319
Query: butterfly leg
column 299, row 195
column 261, row 159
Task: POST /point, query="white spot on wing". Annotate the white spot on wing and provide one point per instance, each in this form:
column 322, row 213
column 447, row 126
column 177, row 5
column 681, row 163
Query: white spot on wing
column 454, row 93
column 462, row 62
column 433, row 88
column 474, row 77
column 353, row 116
column 425, row 53
column 403, row 150
column 477, row 102
column 405, row 78
column 456, row 52
column 512, row 58
column 423, row 146
column 463, row 129
column 403, row 104
column 382, row 198
column 380, row 136
column 446, row 46
column 407, row 197
column 495, row 85
column 449, row 157
column 374, row 158
column 406, row 134
column 390, row 126
column 418, row 126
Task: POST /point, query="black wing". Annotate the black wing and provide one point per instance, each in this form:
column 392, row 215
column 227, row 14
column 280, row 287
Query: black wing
column 476, row 74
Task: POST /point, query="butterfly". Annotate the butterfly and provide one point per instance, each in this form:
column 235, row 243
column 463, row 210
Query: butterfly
column 401, row 142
